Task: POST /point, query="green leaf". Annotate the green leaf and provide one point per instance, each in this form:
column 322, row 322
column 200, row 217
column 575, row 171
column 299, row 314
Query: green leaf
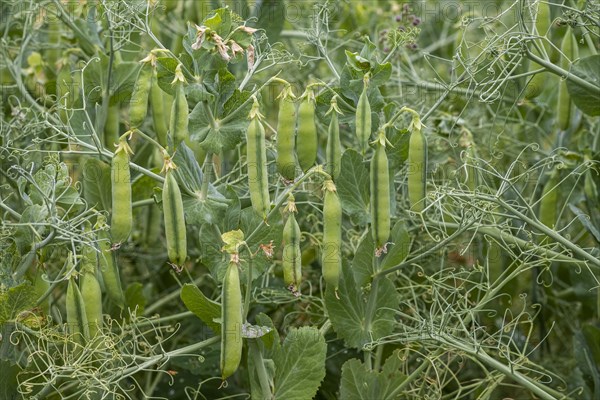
column 353, row 186
column 398, row 248
column 586, row 100
column 202, row 307
column 357, row 62
column 15, row 300
column 585, row 221
column 362, row 263
column 300, row 364
column 271, row 16
column 134, row 297
column 210, row 250
column 232, row 239
column 97, row 185
column 348, row 312
column 361, row 383
column 189, row 175
column 398, row 152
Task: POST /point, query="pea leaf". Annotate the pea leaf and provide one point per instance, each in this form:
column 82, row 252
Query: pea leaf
column 16, row 299
column 271, row 16
column 348, row 312
column 202, row 307
column 134, row 297
column 353, row 187
column 97, row 184
column 362, row 383
column 398, row 248
column 300, row 364
column 586, row 100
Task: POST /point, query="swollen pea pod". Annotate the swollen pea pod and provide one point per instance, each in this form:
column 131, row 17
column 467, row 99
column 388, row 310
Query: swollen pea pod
column 306, row 140
column 231, row 320
column 108, row 267
column 112, row 125
column 175, row 231
column 292, row 256
column 256, row 157
column 417, row 166
column 380, row 194
column 138, row 106
column 334, row 146
column 569, row 51
column 548, row 211
column 76, row 316
column 363, row 117
column 122, row 217
column 92, row 297
column 178, row 123
column 159, row 108
column 286, row 158
column 331, row 261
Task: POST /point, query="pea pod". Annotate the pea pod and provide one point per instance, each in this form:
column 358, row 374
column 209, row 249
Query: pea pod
column 175, row 231
column 569, row 54
column 417, row 166
column 363, row 117
column 306, row 140
column 159, row 110
column 138, row 106
column 92, row 298
column 380, row 194
column 109, row 269
column 231, row 319
column 548, row 211
column 292, row 256
column 331, row 255
column 334, row 146
column 76, row 316
column 112, row 125
column 178, row 123
column 286, row 159
column 122, row 218
column 256, row 157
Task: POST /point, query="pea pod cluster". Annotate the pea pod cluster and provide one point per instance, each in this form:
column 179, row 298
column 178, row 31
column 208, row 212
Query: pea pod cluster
column 286, row 129
column 256, row 157
column 121, row 217
column 231, row 320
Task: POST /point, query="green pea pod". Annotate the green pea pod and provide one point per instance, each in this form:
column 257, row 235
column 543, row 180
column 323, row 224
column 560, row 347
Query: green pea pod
column 256, row 156
column 122, row 217
column 76, row 316
column 331, row 255
column 334, row 146
column 569, row 51
column 417, row 168
column 112, row 125
column 138, row 106
column 109, row 270
column 178, row 124
column 175, row 231
column 159, row 110
column 548, row 211
column 306, row 140
column 92, row 298
column 286, row 159
column 363, row 117
column 231, row 320
column 380, row 194
column 292, row 256
column 543, row 23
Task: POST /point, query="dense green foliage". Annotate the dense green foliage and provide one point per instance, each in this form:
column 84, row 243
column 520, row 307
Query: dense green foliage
column 296, row 200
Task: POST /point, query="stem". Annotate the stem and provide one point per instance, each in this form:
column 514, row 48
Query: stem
column 151, row 140
column 555, row 69
column 257, row 359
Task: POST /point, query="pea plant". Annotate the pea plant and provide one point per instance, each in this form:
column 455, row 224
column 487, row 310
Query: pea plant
column 300, row 200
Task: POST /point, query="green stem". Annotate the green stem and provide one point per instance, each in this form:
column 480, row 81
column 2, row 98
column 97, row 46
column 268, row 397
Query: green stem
column 259, row 363
column 149, row 139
